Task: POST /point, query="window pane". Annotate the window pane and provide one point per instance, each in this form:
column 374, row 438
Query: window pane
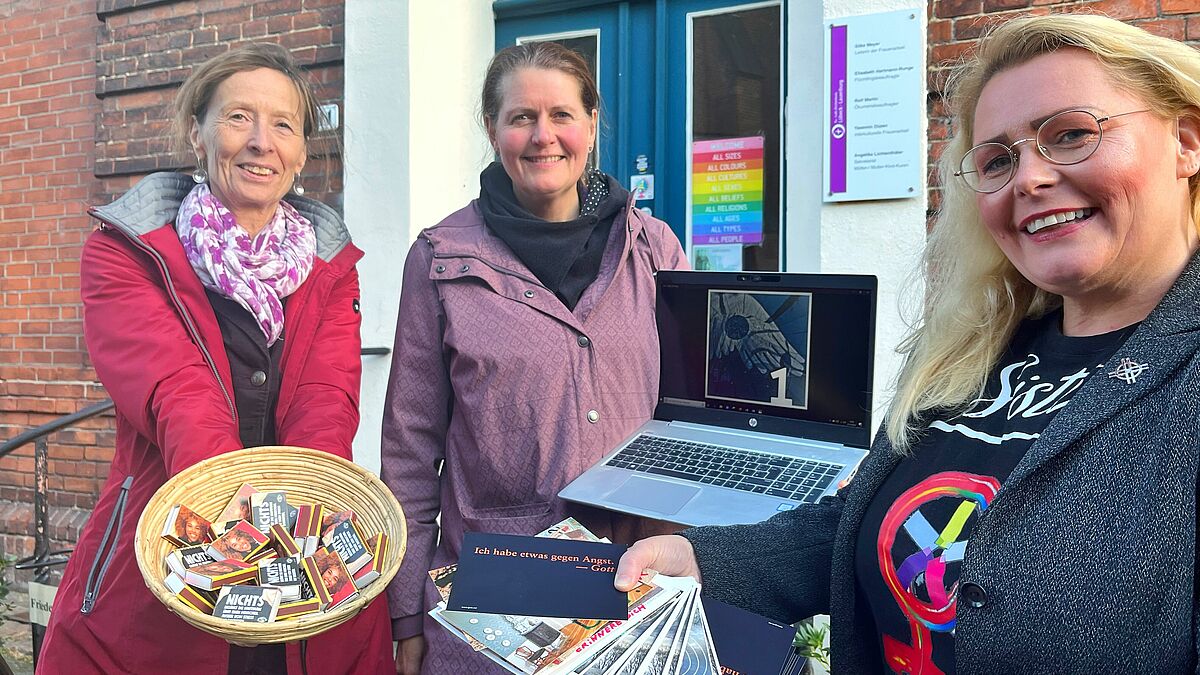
column 735, row 139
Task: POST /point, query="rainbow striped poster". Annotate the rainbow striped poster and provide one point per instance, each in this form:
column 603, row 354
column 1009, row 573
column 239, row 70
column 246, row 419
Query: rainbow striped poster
column 727, row 191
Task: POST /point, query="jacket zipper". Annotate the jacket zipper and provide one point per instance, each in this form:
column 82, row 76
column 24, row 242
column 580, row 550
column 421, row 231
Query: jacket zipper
column 187, row 319
column 98, row 570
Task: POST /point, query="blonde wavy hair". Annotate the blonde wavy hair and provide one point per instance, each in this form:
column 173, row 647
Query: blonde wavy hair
column 975, row 298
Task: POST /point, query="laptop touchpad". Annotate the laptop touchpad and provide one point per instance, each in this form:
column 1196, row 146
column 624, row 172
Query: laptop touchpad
column 653, row 495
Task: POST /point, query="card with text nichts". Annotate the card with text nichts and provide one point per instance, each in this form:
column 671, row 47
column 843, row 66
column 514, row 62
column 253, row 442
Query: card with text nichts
column 536, row 576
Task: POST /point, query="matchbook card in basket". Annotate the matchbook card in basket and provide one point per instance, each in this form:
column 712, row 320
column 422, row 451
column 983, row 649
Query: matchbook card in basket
column 345, row 539
column 332, row 519
column 333, row 576
column 286, row 545
column 239, row 542
column 271, row 508
column 256, row 569
column 213, row 575
column 201, row 601
column 284, row 574
column 247, row 603
column 291, row 610
column 370, row 571
column 184, row 527
column 308, row 527
column 663, row 631
column 181, row 560
column 238, row 507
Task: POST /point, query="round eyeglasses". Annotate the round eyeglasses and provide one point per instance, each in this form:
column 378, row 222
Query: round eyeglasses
column 1068, row 137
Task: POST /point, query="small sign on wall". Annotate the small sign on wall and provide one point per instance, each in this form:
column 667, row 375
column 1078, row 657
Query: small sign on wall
column 41, row 602
column 874, row 85
column 642, row 186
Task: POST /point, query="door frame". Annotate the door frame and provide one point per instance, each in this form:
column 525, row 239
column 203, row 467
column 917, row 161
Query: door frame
column 669, row 160
column 685, row 155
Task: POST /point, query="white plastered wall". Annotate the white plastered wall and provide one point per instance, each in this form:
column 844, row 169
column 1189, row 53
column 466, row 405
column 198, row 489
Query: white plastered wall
column 414, row 149
column 883, row 238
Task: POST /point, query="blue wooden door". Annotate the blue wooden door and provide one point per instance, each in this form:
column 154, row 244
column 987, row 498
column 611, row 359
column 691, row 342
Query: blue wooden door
column 648, row 55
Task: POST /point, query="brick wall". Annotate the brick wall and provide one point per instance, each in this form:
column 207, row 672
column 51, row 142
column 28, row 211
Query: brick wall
column 85, row 89
column 955, row 24
column 146, row 49
column 47, row 116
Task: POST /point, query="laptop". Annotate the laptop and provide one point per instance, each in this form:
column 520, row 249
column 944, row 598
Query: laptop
column 764, row 399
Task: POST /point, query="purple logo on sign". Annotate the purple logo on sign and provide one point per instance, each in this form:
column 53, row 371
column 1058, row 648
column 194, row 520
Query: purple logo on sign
column 837, row 109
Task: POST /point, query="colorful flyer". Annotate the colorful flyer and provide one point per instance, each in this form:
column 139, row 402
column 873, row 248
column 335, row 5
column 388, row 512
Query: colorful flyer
column 727, row 191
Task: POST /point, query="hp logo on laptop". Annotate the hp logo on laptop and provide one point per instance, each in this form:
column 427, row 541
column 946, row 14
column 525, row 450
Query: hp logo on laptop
column 753, row 422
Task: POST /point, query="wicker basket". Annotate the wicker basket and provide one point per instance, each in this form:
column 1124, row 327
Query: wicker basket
column 308, row 476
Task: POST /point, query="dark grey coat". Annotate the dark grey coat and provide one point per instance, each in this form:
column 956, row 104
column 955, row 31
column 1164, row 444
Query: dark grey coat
column 1086, row 557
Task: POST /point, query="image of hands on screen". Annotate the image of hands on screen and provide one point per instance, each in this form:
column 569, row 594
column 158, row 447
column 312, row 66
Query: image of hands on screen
column 758, row 347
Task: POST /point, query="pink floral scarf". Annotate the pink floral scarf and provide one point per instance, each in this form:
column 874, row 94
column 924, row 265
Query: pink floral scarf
column 257, row 272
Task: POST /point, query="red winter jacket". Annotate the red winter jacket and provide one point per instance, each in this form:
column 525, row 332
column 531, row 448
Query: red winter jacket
column 156, row 345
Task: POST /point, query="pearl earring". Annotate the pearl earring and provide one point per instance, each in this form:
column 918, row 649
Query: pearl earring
column 297, row 187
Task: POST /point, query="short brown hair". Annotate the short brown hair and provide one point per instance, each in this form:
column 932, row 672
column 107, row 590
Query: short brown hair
column 543, row 55
column 197, row 91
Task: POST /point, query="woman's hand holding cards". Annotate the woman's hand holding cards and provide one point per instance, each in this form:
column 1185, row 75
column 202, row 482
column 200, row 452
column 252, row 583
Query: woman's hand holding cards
column 668, row 554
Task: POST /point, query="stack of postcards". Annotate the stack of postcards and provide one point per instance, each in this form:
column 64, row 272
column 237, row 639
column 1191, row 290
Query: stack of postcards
column 666, row 630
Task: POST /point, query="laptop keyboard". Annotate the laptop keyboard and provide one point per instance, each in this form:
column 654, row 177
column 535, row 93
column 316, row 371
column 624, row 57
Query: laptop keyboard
column 789, row 477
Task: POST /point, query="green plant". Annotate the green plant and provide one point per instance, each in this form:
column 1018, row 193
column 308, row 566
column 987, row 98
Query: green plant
column 810, row 640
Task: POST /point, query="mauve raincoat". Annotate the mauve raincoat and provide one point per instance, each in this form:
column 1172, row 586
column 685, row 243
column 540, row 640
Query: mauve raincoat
column 516, row 394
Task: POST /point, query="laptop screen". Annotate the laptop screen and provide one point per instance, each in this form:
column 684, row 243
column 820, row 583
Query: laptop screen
column 788, row 354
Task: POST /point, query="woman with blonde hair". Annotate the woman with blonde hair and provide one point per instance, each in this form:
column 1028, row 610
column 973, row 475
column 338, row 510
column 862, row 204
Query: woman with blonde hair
column 1031, row 504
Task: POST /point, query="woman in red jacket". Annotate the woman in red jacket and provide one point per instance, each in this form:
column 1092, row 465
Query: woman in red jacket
column 218, row 316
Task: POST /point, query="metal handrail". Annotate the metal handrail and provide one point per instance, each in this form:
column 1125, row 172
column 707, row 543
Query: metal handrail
column 53, row 426
column 43, row 558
